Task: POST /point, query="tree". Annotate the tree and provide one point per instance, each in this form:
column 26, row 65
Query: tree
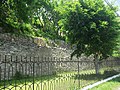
column 14, row 13
column 29, row 16
column 92, row 27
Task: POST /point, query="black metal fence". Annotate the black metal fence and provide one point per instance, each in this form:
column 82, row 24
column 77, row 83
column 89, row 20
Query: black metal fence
column 50, row 73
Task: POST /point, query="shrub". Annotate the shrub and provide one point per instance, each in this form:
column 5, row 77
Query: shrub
column 18, row 75
column 110, row 72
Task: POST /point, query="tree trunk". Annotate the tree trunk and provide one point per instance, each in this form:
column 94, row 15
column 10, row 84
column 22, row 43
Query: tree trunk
column 96, row 64
column 96, row 67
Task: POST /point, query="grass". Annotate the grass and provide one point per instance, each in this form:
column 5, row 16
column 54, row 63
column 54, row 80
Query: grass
column 53, row 82
column 110, row 85
column 60, row 81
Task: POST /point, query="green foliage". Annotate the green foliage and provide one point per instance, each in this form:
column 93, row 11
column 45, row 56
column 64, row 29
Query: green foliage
column 91, row 27
column 36, row 17
column 116, row 52
column 18, row 75
column 110, row 73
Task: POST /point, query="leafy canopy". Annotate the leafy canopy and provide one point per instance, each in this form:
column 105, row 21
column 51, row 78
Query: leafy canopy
column 36, row 17
column 91, row 27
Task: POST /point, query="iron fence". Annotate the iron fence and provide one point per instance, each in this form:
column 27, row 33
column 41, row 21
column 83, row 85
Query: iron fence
column 50, row 73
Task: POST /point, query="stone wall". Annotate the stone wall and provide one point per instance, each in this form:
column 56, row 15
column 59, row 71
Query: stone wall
column 12, row 46
column 17, row 53
column 25, row 66
column 26, row 46
column 37, row 66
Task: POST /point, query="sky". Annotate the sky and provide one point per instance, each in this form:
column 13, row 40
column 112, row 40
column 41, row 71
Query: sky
column 117, row 3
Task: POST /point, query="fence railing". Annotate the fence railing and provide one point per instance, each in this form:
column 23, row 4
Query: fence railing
column 50, row 73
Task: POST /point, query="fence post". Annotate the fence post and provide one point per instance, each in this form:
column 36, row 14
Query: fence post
column 0, row 69
column 16, row 71
column 78, row 75
column 0, row 74
column 5, row 71
column 41, row 71
column 33, row 72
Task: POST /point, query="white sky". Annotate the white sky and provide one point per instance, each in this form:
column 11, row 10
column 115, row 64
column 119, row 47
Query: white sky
column 117, row 3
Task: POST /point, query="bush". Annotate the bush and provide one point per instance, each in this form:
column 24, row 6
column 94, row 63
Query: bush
column 110, row 72
column 18, row 75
